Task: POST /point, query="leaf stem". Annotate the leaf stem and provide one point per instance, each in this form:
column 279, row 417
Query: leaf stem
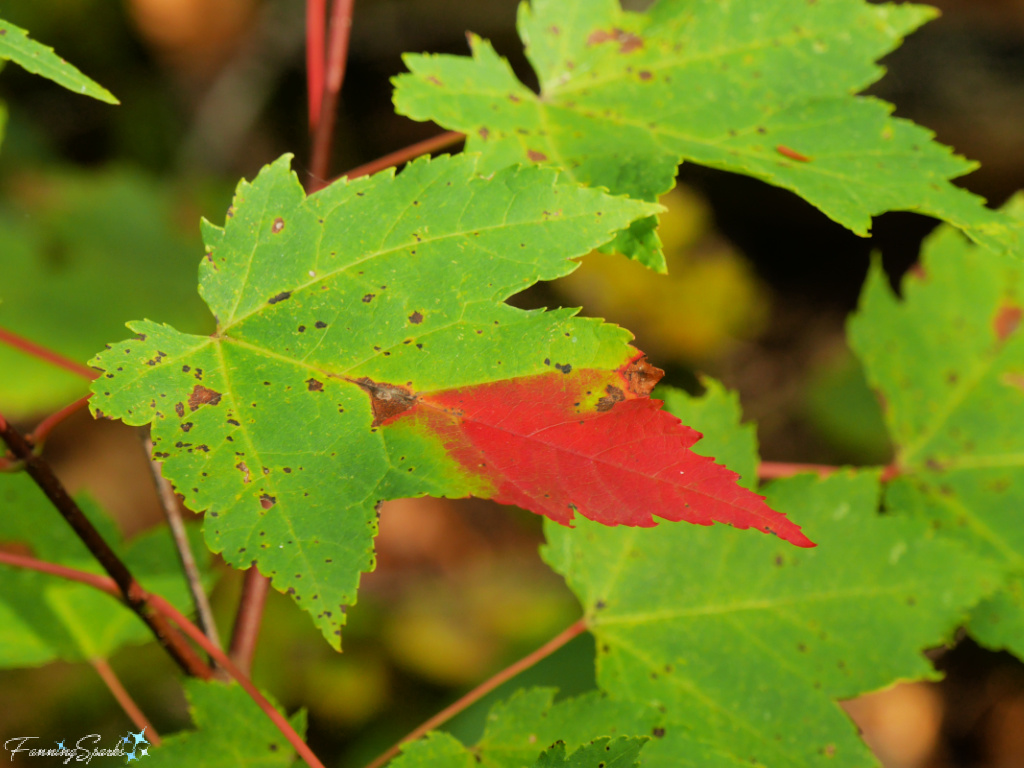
column 130, row 589
column 316, row 15
column 172, row 512
column 337, row 56
column 38, row 435
column 404, row 155
column 576, row 629
column 774, row 470
column 248, row 618
column 12, row 339
column 110, row 679
column 165, row 609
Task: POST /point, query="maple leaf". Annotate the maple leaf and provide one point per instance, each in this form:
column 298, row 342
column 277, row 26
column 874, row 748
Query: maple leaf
column 762, row 89
column 948, row 362
column 364, row 352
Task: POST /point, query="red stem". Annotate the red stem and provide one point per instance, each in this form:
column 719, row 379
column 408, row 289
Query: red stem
column 773, row 470
column 47, row 355
column 434, row 143
column 106, row 673
column 316, row 15
column 38, row 435
column 578, row 628
column 248, row 618
column 160, row 605
column 337, row 55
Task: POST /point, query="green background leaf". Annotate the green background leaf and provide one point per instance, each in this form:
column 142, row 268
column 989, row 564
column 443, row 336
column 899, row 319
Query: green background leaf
column 17, row 46
column 43, row 618
column 948, row 361
column 230, row 730
column 625, row 97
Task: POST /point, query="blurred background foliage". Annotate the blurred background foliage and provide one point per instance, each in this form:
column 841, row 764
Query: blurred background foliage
column 99, row 210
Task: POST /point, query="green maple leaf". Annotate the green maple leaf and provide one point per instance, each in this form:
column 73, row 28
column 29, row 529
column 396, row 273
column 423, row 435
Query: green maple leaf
column 530, row 729
column 17, row 46
column 230, row 730
column 268, row 425
column 948, row 362
column 763, row 89
column 744, row 644
column 42, row 617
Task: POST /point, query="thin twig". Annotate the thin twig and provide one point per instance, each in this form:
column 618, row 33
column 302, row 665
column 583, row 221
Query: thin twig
column 134, row 595
column 38, row 435
column 772, row 470
column 316, row 15
column 337, row 56
column 404, row 155
column 106, row 673
column 248, row 619
column 165, row 609
column 169, row 503
column 578, row 628
column 12, row 339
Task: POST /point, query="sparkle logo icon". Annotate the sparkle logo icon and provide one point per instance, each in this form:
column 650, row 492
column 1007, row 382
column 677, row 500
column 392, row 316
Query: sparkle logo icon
column 135, row 745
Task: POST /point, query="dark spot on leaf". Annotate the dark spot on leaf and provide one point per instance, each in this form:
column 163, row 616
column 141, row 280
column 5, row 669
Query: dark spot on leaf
column 179, row 408
column 302, row 329
column 658, row 733
column 280, row 297
column 535, row 156
column 186, row 426
column 267, row 501
column 484, row 133
column 613, row 396
column 278, row 225
column 369, row 297
column 564, row 368
column 416, row 318
column 320, row 324
column 627, row 40
column 387, row 400
column 640, row 376
column 202, row 396
column 314, row 385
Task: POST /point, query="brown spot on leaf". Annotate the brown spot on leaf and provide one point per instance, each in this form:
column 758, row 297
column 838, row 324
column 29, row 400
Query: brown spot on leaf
column 241, row 467
column 314, row 385
column 186, row 426
column 179, row 408
column 369, row 297
column 416, row 318
column 627, row 40
column 613, row 396
column 535, row 156
column 640, row 376
column 567, row 368
column 1007, row 321
column 387, row 400
column 267, row 501
column 435, row 81
column 280, row 297
column 202, row 396
column 278, row 225
column 645, row 75
column 484, row 133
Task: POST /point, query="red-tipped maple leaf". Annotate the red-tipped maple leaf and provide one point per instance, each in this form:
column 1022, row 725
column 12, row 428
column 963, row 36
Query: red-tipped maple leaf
column 589, row 442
